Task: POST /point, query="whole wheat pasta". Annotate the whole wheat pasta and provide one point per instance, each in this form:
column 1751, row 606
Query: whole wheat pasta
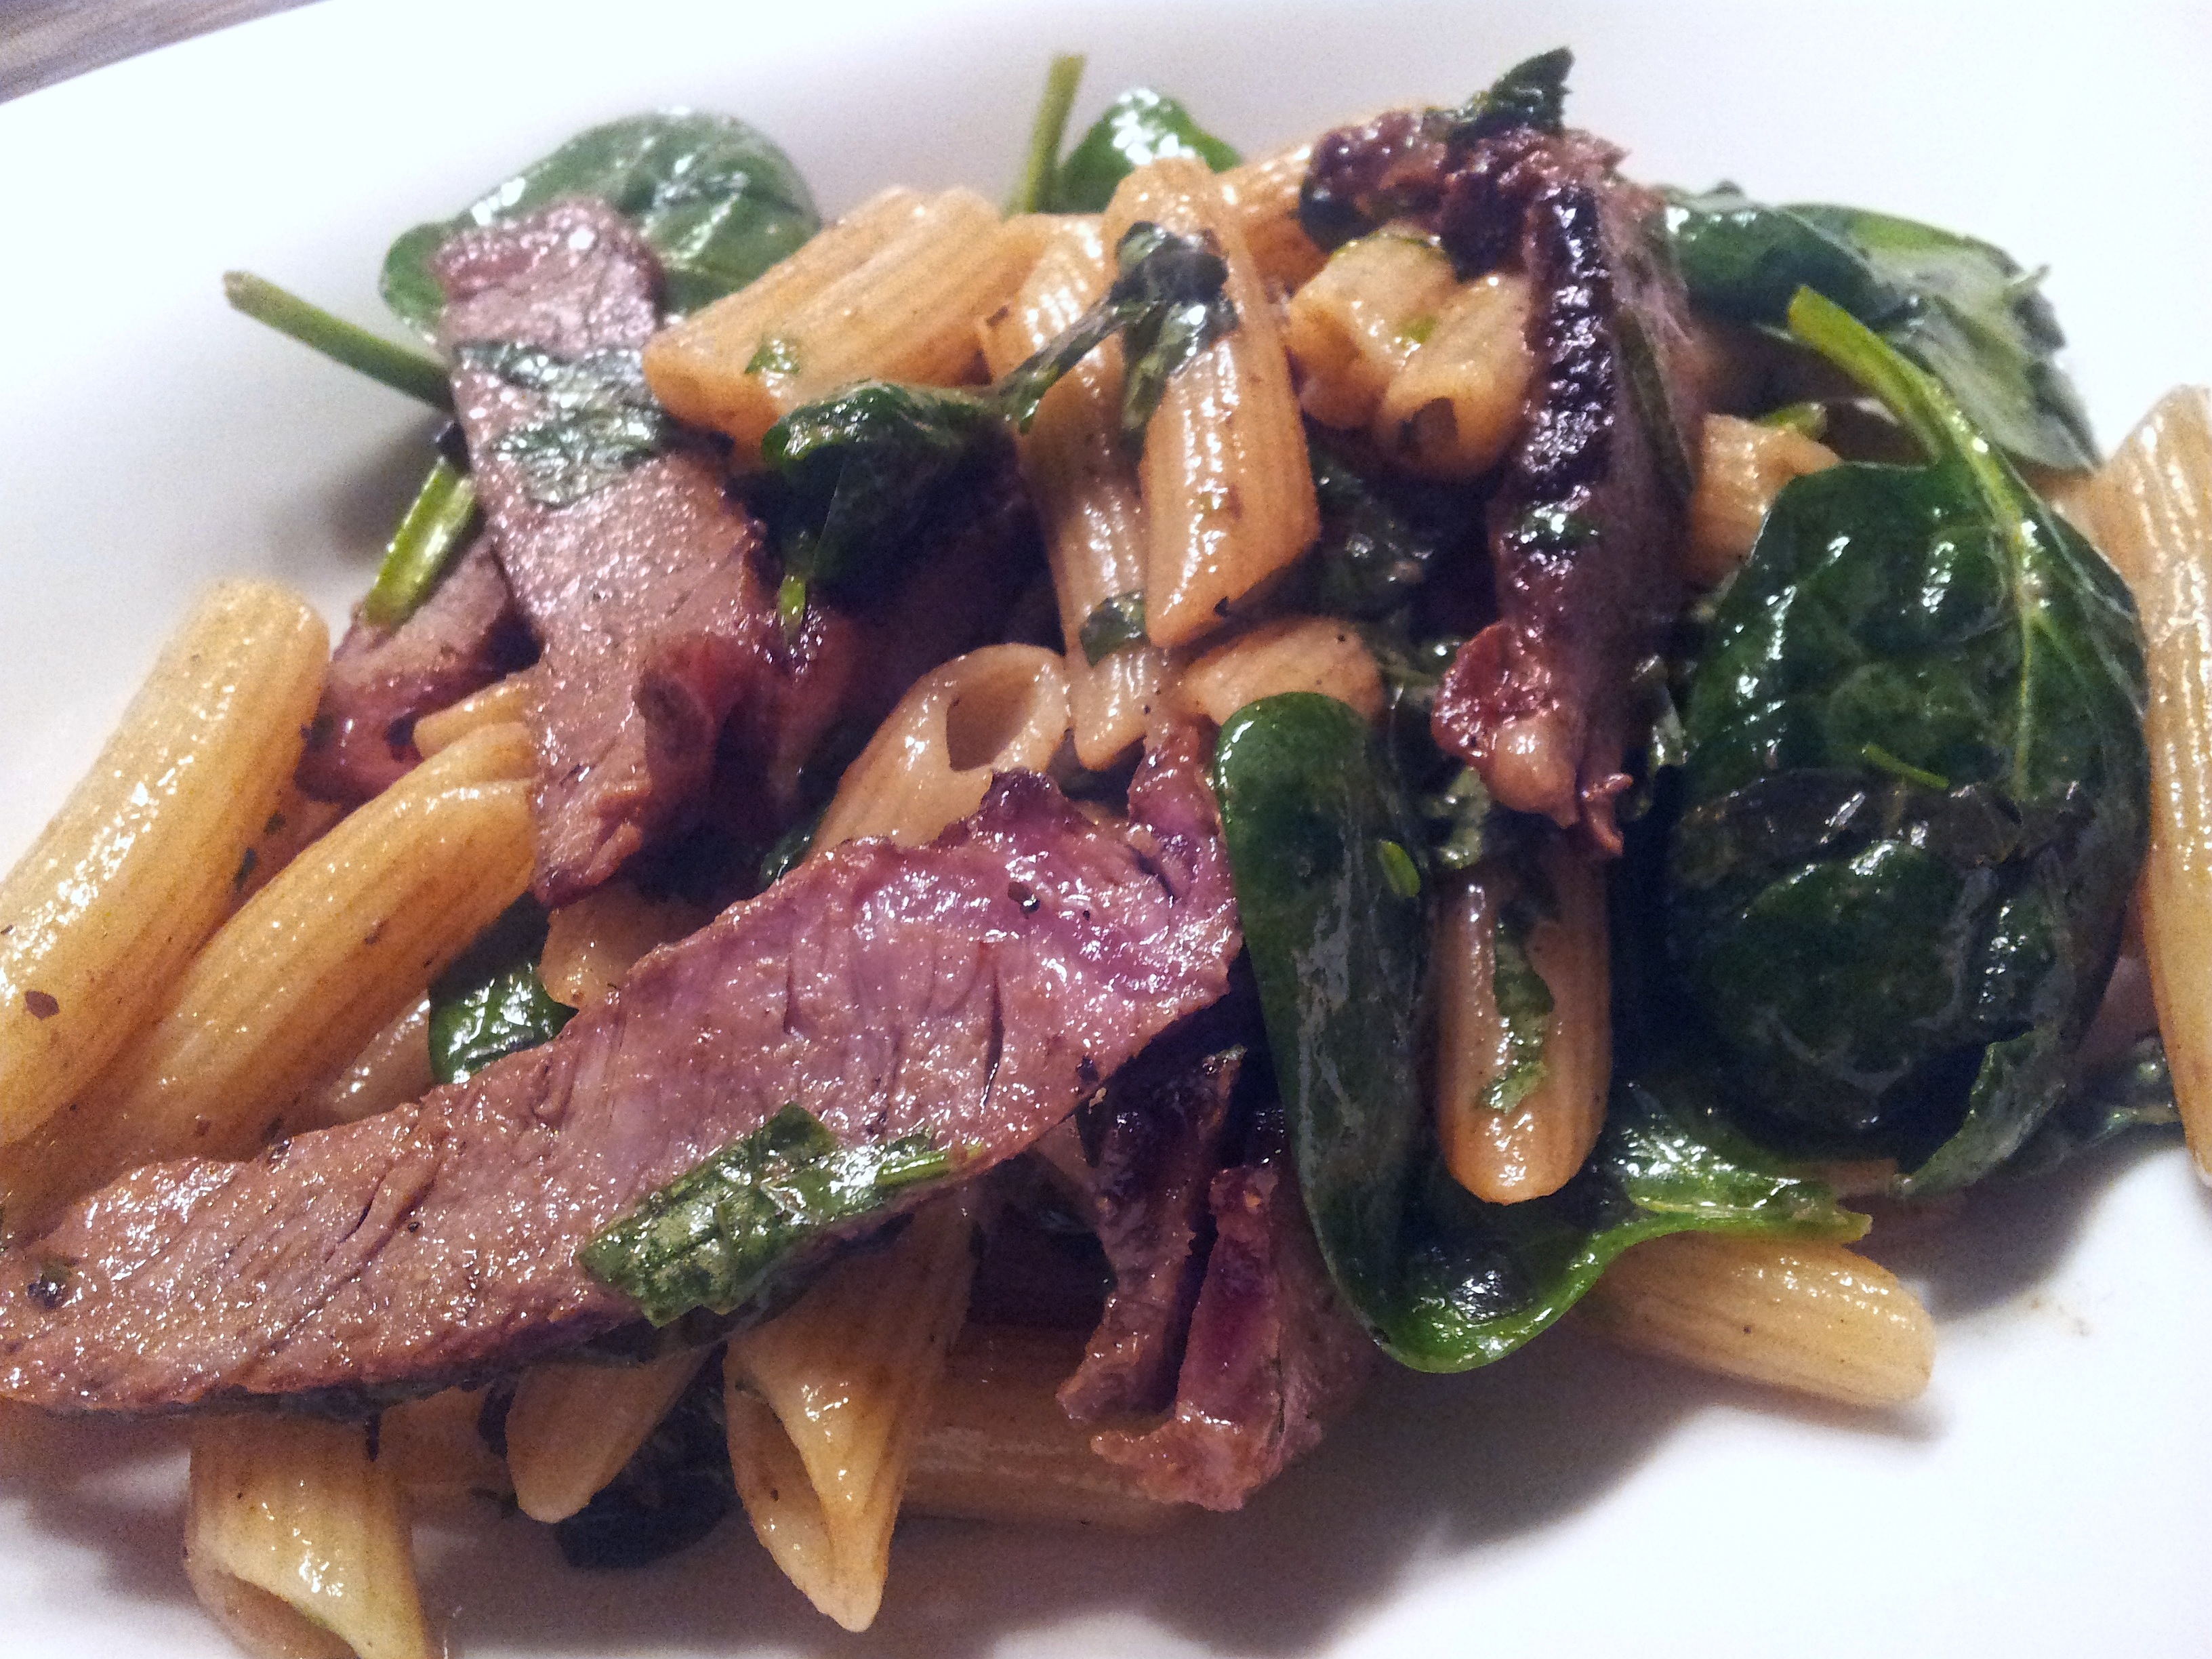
column 1360, row 321
column 1228, row 491
column 1003, row 708
column 346, row 939
column 1264, row 197
column 501, row 704
column 134, row 872
column 1288, row 653
column 1085, row 487
column 1811, row 1317
column 1456, row 403
column 591, row 944
column 434, row 1448
column 572, row 1427
column 297, row 1541
column 826, row 1401
column 393, row 1068
column 1742, row 467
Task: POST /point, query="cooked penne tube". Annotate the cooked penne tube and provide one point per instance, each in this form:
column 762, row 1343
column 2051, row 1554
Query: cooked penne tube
column 1453, row 409
column 135, row 872
column 907, row 312
column 1288, row 653
column 1003, row 708
column 293, row 824
column 347, row 939
column 1813, row 1317
column 1263, row 195
column 393, row 1068
column 700, row 368
column 501, row 704
column 1085, row 491
column 1360, row 321
column 1742, row 467
column 591, row 944
column 1000, row 1447
column 1516, row 1124
column 572, row 1426
column 1228, row 491
column 826, row 1401
column 435, row 1450
column 2151, row 508
column 296, row 1541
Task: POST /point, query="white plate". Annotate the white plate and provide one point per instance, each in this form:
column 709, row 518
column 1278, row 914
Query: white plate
column 2047, row 1498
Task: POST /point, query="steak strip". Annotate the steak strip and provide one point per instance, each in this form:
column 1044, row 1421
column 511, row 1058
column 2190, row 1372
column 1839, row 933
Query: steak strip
column 975, row 989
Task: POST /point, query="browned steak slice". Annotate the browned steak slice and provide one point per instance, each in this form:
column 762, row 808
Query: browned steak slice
column 975, row 989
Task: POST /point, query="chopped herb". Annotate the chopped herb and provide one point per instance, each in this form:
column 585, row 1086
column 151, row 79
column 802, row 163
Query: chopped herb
column 1115, row 621
column 490, row 1003
column 603, row 418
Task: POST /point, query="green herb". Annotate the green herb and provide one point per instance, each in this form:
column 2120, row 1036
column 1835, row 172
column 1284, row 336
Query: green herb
column 1961, row 308
column 2134, row 1092
column 1137, row 128
column 1524, row 1006
column 717, row 201
column 773, row 355
column 1116, row 621
column 403, row 370
column 601, row 419
column 1038, row 187
column 1915, row 796
column 437, row 526
column 1532, row 94
column 1444, row 1280
column 718, row 1236
column 674, row 1490
column 491, row 1002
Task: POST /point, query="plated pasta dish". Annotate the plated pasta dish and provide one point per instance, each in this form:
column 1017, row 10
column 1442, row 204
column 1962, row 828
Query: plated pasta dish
column 969, row 860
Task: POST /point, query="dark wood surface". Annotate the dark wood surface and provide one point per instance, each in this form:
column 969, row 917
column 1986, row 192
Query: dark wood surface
column 43, row 41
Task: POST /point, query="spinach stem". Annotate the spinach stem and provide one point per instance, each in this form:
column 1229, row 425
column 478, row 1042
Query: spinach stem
column 437, row 524
column 1033, row 194
column 403, row 370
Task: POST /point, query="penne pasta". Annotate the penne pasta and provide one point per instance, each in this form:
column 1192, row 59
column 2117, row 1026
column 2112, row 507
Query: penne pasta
column 1000, row 1448
column 1227, row 491
column 1811, row 1317
column 294, row 824
column 700, row 368
column 296, row 1541
column 346, row 940
column 434, row 1448
column 1003, row 708
column 393, row 1068
column 1357, row 324
column 1263, row 196
column 148, row 853
column 591, row 944
column 826, row 1401
column 1742, row 467
column 503, row 702
column 572, row 1426
column 1515, row 1125
column 1453, row 408
column 1288, row 653
column 2152, row 509
column 1085, row 491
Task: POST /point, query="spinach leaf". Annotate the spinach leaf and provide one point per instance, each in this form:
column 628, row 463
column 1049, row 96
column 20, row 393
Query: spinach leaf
column 1372, row 554
column 601, row 418
column 717, row 1235
column 1916, row 795
column 717, row 200
column 2134, row 1092
column 1961, row 308
column 437, row 525
column 1444, row 1280
column 491, row 1002
column 674, row 1490
column 857, row 468
column 1532, row 94
column 401, row 367
column 1116, row 620
column 1037, row 190
column 1141, row 126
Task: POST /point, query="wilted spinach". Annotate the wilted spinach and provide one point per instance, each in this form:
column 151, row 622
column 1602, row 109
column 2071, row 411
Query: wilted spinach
column 1442, row 1279
column 717, row 201
column 491, row 1002
column 2135, row 1092
column 1961, row 308
column 437, row 525
column 1916, row 795
column 1141, row 126
column 403, row 369
column 600, row 417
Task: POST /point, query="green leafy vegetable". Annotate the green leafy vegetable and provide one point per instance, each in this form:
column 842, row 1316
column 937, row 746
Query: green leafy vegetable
column 436, row 529
column 1524, row 1006
column 1961, row 308
column 1916, row 795
column 1117, row 620
column 1532, row 94
column 1038, row 191
column 1138, row 127
column 857, row 467
column 717, row 200
column 601, row 418
column 491, row 1002
column 403, row 369
column 2134, row 1092
column 1376, row 548
column 1444, row 1280
column 718, row 1236
column 674, row 1490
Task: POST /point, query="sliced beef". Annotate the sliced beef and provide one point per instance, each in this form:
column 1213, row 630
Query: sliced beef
column 1584, row 523
column 976, row 988
column 382, row 680
column 1158, row 1144
column 650, row 594
column 1272, row 1353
